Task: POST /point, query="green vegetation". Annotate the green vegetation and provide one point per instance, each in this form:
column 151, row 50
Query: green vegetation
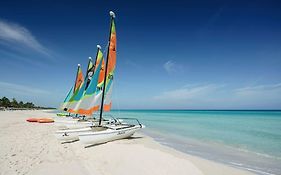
column 6, row 103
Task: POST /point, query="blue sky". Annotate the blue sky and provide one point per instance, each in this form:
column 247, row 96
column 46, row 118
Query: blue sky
column 170, row 55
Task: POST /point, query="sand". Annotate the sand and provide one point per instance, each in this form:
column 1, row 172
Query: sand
column 31, row 148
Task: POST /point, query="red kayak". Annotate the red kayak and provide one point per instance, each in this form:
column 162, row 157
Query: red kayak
column 32, row 119
column 45, row 120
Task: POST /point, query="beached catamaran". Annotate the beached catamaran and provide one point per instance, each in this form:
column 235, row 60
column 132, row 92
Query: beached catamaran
column 71, row 95
column 88, row 98
column 95, row 95
column 73, row 90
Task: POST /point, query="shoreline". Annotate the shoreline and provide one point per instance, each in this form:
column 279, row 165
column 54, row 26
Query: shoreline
column 219, row 153
column 31, row 148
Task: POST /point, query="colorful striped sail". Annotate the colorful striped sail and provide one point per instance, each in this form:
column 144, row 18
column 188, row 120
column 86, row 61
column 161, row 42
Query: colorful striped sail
column 110, row 68
column 91, row 99
column 78, row 93
column 90, row 72
column 67, row 98
column 78, row 81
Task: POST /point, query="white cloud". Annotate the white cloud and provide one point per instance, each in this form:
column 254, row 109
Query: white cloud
column 261, row 95
column 15, row 35
column 212, row 96
column 188, row 92
column 10, row 88
column 259, row 89
column 172, row 67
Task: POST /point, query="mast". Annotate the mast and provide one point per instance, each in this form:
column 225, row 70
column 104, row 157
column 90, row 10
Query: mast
column 112, row 16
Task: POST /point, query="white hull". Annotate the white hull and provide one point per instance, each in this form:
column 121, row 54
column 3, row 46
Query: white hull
column 77, row 125
column 69, row 135
column 93, row 138
column 74, row 124
column 71, row 130
column 62, row 119
column 61, row 122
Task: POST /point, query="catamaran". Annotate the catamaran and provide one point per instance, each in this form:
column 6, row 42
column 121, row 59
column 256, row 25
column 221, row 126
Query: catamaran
column 86, row 101
column 73, row 98
column 96, row 95
column 65, row 116
column 119, row 130
column 79, row 81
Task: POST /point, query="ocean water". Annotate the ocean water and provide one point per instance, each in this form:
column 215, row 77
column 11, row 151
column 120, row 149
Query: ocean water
column 248, row 140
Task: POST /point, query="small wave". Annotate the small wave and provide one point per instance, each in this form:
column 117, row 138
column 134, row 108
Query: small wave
column 234, row 163
column 259, row 154
column 250, row 169
column 258, row 171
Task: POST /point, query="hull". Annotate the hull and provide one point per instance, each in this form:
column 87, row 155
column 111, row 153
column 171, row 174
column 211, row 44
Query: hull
column 74, row 123
column 69, row 135
column 64, row 119
column 60, row 122
column 93, row 138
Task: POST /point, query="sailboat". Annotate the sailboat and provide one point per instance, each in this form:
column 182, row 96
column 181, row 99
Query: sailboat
column 102, row 133
column 65, row 116
column 87, row 104
column 97, row 96
column 87, row 99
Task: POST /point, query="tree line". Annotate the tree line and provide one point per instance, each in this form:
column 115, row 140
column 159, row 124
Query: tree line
column 7, row 103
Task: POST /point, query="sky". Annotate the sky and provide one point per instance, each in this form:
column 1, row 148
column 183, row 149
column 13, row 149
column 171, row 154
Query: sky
column 217, row 54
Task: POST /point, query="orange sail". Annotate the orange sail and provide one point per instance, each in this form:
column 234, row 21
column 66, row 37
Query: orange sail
column 110, row 67
column 79, row 79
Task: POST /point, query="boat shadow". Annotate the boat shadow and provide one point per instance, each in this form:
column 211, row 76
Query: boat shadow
column 133, row 138
column 129, row 138
column 73, row 141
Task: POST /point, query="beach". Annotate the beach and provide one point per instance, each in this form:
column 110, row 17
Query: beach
column 31, row 148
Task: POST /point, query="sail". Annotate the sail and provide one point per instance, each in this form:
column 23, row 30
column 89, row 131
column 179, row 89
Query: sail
column 67, row 98
column 110, row 67
column 78, row 81
column 90, row 72
column 78, row 96
column 78, row 93
column 91, row 99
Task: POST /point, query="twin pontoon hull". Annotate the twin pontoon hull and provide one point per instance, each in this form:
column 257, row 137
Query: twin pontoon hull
column 74, row 124
column 72, row 130
column 77, row 125
column 93, row 138
column 69, row 135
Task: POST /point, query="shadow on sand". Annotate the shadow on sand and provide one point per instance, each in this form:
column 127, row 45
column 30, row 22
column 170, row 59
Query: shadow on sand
column 129, row 138
column 70, row 141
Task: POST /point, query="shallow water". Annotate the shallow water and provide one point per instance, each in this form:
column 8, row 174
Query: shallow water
column 246, row 139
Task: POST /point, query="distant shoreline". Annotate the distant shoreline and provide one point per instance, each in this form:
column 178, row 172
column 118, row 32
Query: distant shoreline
column 196, row 109
column 12, row 109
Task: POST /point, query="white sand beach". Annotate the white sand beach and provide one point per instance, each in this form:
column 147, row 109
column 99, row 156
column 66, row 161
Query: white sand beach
column 31, row 148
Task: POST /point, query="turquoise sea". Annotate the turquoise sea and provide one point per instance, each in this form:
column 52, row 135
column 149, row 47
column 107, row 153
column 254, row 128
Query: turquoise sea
column 245, row 139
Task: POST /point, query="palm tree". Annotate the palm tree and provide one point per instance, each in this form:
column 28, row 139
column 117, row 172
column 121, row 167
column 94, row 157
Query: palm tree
column 14, row 103
column 21, row 105
column 5, row 102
